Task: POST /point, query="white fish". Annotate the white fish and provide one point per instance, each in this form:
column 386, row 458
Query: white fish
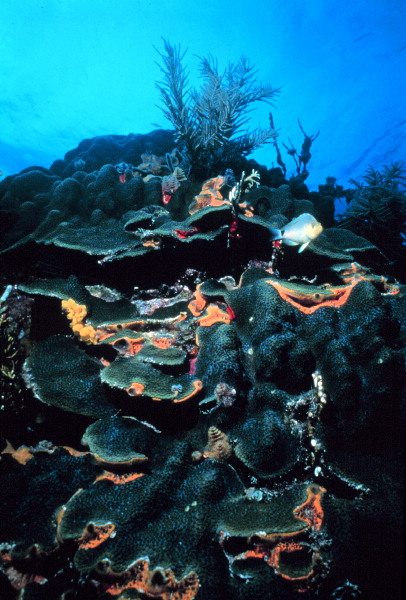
column 299, row 232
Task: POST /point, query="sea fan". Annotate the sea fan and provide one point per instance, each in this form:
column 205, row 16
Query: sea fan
column 209, row 122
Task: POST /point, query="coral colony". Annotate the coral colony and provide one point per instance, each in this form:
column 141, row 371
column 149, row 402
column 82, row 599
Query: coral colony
column 202, row 368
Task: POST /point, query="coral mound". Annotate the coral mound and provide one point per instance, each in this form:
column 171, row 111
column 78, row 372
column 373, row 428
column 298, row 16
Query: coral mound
column 192, row 409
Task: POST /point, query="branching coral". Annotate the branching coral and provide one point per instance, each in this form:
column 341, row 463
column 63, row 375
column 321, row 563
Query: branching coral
column 209, row 121
column 304, row 157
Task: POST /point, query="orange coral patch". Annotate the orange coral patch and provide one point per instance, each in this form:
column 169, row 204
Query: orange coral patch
column 391, row 288
column 128, row 345
column 215, row 183
column 159, row 583
column 275, row 561
column 103, row 334
column 199, row 303
column 76, row 313
column 209, row 196
column 162, row 342
column 348, row 272
column 22, row 455
column 74, row 452
column 311, row 510
column 58, row 520
column 272, row 538
column 379, row 280
column 134, row 346
column 104, row 462
column 207, row 199
column 213, row 314
column 135, row 577
column 247, row 209
column 152, row 243
column 257, row 553
column 311, row 300
column 197, row 385
column 94, row 535
column 135, row 389
column 119, row 479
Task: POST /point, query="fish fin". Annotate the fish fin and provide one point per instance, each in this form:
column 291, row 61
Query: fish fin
column 303, row 246
column 276, row 234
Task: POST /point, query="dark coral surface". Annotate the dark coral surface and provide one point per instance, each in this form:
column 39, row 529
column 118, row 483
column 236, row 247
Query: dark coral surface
column 190, row 410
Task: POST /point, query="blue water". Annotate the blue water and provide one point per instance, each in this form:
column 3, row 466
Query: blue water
column 73, row 69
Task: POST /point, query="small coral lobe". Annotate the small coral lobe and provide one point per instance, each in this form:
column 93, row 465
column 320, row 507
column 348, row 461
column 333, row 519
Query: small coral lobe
column 141, row 379
column 51, row 370
column 266, row 445
column 308, row 299
column 135, row 389
column 120, row 441
column 199, row 302
column 287, row 551
column 128, row 344
column 214, row 314
column 22, row 454
column 157, row 582
column 118, row 479
column 38, row 488
column 94, row 535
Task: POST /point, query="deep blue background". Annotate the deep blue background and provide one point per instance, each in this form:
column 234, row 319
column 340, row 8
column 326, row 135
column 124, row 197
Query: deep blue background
column 72, row 69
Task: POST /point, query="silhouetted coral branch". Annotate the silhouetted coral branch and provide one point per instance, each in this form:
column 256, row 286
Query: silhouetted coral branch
column 302, row 159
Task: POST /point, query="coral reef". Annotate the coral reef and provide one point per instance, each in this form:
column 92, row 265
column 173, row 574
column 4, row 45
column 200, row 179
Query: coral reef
column 191, row 408
column 257, row 466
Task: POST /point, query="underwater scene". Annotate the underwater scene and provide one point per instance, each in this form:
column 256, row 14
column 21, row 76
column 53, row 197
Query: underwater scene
column 202, row 300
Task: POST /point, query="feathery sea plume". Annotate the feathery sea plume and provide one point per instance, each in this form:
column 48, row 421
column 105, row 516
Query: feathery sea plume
column 377, row 209
column 210, row 123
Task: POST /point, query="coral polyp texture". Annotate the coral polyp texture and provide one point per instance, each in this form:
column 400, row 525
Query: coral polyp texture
column 192, row 409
